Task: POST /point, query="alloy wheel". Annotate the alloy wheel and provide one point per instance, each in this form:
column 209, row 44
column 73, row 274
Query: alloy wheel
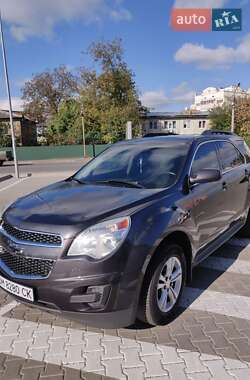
column 169, row 284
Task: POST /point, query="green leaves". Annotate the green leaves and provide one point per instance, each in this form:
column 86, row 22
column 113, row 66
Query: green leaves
column 220, row 118
column 109, row 96
column 105, row 96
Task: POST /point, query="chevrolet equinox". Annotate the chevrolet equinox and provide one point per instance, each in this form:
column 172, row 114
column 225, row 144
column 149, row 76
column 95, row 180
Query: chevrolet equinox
column 119, row 239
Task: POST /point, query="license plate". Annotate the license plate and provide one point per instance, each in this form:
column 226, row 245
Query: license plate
column 16, row 289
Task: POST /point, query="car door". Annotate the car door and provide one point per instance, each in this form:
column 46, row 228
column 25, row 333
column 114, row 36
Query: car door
column 208, row 208
column 235, row 179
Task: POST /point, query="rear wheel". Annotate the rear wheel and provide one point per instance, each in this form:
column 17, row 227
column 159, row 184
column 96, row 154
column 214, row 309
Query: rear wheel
column 163, row 286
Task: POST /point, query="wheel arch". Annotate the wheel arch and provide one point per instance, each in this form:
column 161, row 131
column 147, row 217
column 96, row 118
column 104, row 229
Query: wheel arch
column 180, row 238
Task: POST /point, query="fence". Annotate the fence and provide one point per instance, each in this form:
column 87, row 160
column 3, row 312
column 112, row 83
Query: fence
column 29, row 153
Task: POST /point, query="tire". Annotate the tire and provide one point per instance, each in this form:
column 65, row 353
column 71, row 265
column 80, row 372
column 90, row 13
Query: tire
column 245, row 231
column 158, row 305
column 1, row 163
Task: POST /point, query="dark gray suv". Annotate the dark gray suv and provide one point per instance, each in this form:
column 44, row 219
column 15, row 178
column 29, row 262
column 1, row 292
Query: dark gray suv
column 119, row 239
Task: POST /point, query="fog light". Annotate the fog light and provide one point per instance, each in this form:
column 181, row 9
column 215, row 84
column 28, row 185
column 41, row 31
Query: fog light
column 102, row 294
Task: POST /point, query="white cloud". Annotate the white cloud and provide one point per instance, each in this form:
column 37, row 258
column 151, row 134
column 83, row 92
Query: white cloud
column 154, row 99
column 182, row 94
column 121, row 15
column 17, row 104
column 38, row 17
column 220, row 57
column 200, row 3
column 159, row 100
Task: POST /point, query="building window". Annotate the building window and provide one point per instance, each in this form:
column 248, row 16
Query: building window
column 155, row 125
column 200, row 124
column 185, row 125
column 174, row 124
column 204, row 124
column 165, row 124
column 150, row 125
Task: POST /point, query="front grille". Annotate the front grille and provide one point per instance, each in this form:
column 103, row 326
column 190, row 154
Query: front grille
column 31, row 236
column 26, row 266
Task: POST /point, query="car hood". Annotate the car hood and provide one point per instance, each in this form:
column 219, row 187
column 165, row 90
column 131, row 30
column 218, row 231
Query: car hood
column 68, row 207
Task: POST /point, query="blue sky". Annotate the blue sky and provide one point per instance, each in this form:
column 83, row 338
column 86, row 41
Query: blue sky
column 169, row 66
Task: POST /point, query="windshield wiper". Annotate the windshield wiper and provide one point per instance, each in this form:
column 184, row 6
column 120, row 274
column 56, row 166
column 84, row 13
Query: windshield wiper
column 121, row 182
column 77, row 180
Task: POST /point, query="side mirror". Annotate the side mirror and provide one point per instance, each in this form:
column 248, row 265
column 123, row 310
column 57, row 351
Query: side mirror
column 205, row 176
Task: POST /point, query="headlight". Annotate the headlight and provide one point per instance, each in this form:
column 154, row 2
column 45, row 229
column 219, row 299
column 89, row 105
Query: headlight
column 101, row 239
column 3, row 211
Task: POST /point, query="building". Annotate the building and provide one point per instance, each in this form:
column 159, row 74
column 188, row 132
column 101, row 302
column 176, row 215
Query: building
column 180, row 123
column 25, row 129
column 213, row 97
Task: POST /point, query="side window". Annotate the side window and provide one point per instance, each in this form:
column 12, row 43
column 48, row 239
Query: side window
column 229, row 155
column 244, row 149
column 205, row 158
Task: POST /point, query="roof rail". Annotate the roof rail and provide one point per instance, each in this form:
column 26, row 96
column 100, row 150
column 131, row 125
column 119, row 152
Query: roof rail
column 217, row 132
column 160, row 134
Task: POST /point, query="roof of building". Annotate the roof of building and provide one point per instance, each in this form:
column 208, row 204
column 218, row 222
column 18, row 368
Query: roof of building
column 177, row 115
column 17, row 115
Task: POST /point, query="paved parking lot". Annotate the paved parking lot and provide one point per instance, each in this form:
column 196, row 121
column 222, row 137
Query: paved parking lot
column 210, row 338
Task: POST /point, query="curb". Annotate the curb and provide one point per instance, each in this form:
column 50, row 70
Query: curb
column 6, row 177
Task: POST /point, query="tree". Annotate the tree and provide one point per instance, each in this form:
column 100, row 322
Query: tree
column 109, row 96
column 242, row 117
column 220, row 118
column 65, row 127
column 45, row 92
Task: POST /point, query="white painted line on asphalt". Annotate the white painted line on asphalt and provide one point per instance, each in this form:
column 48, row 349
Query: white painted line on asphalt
column 227, row 265
column 13, row 184
column 7, row 308
column 227, row 304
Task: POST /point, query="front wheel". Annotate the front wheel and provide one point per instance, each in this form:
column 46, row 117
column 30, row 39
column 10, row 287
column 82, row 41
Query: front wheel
column 163, row 286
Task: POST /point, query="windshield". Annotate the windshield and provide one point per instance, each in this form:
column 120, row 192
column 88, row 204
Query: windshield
column 150, row 167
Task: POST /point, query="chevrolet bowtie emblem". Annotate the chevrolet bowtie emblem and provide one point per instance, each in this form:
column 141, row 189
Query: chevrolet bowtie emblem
column 15, row 248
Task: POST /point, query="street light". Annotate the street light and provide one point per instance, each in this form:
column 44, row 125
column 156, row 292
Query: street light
column 9, row 98
column 233, row 107
column 83, row 133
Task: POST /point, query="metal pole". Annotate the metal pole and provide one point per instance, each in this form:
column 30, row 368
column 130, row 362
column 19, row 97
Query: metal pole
column 233, row 116
column 129, row 130
column 233, row 108
column 9, row 99
column 83, row 137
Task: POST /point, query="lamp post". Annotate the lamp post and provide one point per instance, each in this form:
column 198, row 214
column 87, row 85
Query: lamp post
column 233, row 107
column 83, row 133
column 9, row 98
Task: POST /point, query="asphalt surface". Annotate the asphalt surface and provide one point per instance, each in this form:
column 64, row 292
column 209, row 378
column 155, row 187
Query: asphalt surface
column 208, row 339
column 43, row 166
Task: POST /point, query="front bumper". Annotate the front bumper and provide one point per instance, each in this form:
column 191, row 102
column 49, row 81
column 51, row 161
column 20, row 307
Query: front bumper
column 107, row 300
column 103, row 294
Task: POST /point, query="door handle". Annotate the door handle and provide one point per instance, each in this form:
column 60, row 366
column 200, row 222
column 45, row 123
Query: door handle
column 224, row 186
